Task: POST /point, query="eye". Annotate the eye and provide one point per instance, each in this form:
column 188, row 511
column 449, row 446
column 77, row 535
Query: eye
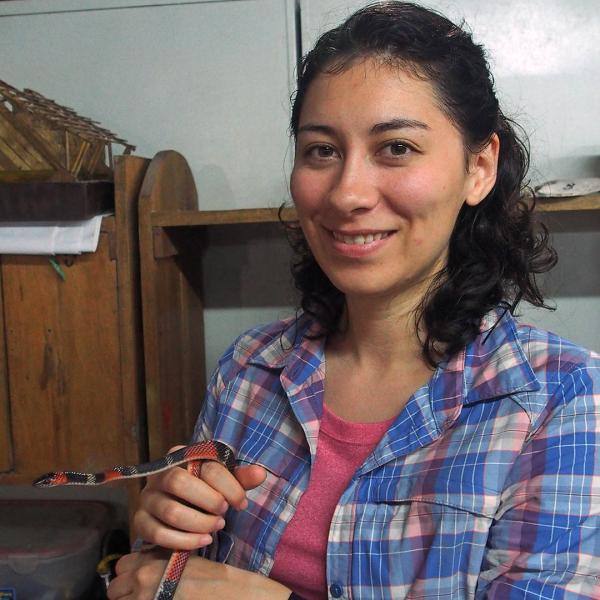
column 397, row 149
column 321, row 151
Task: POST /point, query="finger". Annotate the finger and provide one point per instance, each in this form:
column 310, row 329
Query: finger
column 175, row 448
column 217, row 476
column 250, row 476
column 156, row 481
column 174, row 513
column 224, row 482
column 128, row 562
column 139, row 576
column 185, row 487
column 147, row 578
column 155, row 531
column 122, row 585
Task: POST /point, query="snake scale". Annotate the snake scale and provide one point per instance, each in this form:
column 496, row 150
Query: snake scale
column 192, row 456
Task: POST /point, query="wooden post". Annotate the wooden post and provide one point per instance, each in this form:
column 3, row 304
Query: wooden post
column 172, row 309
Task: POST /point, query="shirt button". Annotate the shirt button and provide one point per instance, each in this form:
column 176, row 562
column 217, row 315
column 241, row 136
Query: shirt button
column 336, row 590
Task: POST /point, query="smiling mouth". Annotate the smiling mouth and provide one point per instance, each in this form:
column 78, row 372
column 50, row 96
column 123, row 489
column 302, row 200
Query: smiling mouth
column 360, row 239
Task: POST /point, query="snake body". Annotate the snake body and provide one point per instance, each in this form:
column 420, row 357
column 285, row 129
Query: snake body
column 192, row 455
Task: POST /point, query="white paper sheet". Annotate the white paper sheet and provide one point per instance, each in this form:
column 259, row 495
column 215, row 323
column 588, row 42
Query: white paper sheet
column 66, row 237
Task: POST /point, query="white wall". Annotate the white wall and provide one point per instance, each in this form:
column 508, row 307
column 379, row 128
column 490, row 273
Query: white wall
column 209, row 78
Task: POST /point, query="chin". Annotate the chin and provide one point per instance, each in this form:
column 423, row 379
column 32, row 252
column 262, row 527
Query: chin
column 380, row 288
column 365, row 289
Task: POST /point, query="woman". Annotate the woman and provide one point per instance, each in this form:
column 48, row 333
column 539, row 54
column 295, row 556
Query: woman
column 404, row 437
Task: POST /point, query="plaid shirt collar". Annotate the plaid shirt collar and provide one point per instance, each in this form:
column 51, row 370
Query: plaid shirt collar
column 492, row 366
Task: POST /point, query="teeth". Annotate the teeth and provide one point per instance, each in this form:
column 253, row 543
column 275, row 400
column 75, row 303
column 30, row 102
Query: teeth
column 354, row 240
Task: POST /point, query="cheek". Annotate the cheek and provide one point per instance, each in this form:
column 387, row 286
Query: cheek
column 306, row 189
column 429, row 204
column 424, row 195
column 410, row 195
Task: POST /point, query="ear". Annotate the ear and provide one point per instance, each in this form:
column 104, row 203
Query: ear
column 483, row 168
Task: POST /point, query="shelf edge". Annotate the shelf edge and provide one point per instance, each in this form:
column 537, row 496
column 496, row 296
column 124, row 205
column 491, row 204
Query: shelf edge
column 194, row 218
column 220, row 217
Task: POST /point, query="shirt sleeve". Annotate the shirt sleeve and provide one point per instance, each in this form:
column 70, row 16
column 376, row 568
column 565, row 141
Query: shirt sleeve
column 545, row 540
column 205, row 424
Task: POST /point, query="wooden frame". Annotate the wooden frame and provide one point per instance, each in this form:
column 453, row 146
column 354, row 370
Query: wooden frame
column 6, row 455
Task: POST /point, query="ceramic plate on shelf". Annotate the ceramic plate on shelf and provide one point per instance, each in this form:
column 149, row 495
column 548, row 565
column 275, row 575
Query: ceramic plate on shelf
column 566, row 188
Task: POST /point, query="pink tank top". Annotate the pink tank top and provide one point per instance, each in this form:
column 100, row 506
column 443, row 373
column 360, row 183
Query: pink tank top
column 300, row 557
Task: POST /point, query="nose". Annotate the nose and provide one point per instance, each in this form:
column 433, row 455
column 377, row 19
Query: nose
column 354, row 189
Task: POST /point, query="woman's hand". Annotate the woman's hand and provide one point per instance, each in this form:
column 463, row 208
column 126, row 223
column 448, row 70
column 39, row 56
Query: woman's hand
column 139, row 574
column 179, row 511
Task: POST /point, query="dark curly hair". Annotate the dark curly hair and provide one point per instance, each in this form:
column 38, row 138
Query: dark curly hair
column 495, row 251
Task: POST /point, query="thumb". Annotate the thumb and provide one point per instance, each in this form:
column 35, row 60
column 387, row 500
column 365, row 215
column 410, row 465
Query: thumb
column 250, row 476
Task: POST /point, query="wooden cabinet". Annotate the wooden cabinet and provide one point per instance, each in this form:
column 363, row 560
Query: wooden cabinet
column 71, row 363
column 85, row 382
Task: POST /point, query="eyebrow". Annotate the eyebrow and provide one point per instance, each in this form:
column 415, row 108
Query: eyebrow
column 314, row 128
column 399, row 123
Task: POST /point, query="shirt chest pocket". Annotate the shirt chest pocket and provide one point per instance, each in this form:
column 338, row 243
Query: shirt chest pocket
column 434, row 487
column 427, row 537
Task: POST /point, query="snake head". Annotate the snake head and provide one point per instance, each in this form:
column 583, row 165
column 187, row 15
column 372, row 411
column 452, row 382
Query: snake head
column 50, row 479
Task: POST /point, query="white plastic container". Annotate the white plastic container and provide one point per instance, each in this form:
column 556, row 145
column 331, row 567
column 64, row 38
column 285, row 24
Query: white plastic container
column 49, row 549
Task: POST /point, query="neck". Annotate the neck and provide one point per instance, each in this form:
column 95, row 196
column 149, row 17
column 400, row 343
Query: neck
column 380, row 333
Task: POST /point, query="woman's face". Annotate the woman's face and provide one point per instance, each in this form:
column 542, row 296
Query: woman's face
column 379, row 177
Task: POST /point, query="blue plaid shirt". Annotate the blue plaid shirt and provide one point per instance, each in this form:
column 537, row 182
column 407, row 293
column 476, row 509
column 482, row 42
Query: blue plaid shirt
column 487, row 484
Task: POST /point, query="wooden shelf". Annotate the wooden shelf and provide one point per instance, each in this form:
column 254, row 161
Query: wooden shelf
column 578, row 203
column 195, row 218
column 192, row 218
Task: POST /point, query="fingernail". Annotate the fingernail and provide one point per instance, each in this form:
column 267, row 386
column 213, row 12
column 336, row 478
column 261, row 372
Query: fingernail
column 244, row 504
column 205, row 540
column 224, row 508
column 219, row 524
